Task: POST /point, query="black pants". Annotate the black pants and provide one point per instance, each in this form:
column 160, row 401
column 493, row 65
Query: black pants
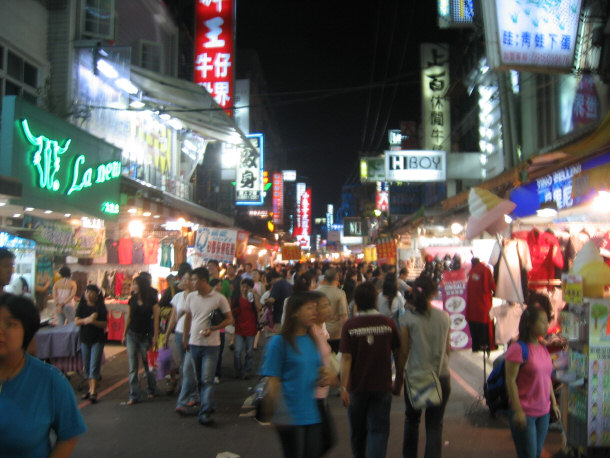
column 301, row 441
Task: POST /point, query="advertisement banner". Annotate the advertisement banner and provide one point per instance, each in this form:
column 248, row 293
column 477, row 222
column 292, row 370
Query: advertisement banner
column 278, row 198
column 249, row 181
column 436, row 110
column 51, row 236
column 291, row 252
column 453, row 291
column 216, row 243
column 355, row 227
column 382, row 201
column 89, row 242
column 386, row 250
column 214, row 49
column 532, row 34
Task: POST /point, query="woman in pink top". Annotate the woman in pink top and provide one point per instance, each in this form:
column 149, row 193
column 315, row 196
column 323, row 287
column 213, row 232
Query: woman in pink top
column 529, row 385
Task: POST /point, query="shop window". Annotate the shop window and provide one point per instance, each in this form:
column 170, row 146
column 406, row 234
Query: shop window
column 14, row 66
column 12, row 89
column 150, row 55
column 98, row 18
column 30, row 75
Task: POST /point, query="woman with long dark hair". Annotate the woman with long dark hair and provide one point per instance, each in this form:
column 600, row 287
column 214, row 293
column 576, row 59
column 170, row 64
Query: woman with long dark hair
column 424, row 333
column 389, row 302
column 141, row 333
column 91, row 317
column 294, row 367
column 529, row 385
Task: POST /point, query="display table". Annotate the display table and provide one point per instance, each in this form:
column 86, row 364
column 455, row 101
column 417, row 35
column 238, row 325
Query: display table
column 60, row 345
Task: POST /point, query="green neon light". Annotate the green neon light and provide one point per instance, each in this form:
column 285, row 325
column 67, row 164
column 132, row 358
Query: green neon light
column 47, row 161
column 111, row 207
column 268, row 186
column 46, row 158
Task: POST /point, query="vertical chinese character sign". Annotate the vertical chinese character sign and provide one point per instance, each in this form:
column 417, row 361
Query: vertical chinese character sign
column 214, row 49
column 435, row 84
column 303, row 230
column 249, row 176
column 278, row 198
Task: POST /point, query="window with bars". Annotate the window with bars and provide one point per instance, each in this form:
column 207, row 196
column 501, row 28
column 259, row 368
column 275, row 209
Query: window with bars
column 151, row 55
column 98, row 18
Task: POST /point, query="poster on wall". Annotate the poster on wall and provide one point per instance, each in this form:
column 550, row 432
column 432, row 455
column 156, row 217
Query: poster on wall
column 599, row 404
column 386, row 250
column 453, row 291
column 291, row 252
column 217, row 244
column 89, row 242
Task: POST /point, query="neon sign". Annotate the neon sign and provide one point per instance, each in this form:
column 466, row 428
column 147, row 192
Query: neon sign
column 111, row 207
column 47, row 161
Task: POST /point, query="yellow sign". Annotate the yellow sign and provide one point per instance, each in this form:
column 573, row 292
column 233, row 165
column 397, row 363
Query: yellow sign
column 572, row 288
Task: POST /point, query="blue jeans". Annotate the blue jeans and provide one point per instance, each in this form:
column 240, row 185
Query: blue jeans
column 243, row 343
column 529, row 441
column 434, row 425
column 188, row 389
column 369, row 418
column 205, row 359
column 92, row 359
column 137, row 346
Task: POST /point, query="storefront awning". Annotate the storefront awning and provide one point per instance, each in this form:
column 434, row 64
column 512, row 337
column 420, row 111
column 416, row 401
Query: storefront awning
column 190, row 103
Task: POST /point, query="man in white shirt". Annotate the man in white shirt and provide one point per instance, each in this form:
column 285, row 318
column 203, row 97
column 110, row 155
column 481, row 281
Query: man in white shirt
column 338, row 306
column 202, row 339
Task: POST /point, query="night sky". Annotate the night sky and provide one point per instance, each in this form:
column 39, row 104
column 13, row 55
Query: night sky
column 339, row 75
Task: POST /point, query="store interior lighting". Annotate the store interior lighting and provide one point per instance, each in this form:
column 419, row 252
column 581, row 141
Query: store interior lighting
column 547, row 210
column 508, row 219
column 48, row 212
column 136, row 228
column 107, row 69
column 67, row 215
column 601, row 202
column 137, row 104
column 456, row 228
column 28, row 209
column 175, row 123
column 126, row 85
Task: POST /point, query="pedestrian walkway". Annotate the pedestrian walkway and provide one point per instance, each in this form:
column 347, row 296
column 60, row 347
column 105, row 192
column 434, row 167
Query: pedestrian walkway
column 152, row 428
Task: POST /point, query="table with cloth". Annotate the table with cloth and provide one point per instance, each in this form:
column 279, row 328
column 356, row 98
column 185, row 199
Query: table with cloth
column 60, row 345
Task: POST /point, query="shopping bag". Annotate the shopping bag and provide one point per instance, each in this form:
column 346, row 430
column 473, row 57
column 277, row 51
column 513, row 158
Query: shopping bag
column 151, row 357
column 423, row 389
column 164, row 362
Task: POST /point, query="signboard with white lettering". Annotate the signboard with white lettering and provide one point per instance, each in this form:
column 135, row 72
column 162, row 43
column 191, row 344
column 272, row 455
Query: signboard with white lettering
column 355, row 227
column 416, row 165
column 214, row 49
column 61, row 168
column 531, row 34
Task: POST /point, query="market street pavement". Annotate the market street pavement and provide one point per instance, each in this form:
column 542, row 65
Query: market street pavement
column 153, row 429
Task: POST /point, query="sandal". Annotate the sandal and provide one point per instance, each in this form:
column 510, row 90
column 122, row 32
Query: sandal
column 130, row 402
column 86, row 396
column 93, row 398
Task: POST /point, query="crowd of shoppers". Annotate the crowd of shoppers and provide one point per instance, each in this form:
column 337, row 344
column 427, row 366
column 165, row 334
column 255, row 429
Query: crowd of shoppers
column 375, row 320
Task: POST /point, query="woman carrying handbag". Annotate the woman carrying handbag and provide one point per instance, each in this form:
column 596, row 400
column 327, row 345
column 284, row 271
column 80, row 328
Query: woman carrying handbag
column 425, row 349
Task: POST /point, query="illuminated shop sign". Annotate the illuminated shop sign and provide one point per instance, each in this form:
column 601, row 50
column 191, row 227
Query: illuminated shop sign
column 372, row 169
column 61, row 168
column 436, row 110
column 452, row 13
column 214, row 49
column 278, row 198
column 410, row 166
column 531, row 34
column 249, row 182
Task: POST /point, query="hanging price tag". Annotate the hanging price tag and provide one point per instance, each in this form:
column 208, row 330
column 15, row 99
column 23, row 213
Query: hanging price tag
column 571, row 286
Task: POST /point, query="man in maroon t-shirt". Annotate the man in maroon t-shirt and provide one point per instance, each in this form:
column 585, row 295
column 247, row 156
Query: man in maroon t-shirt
column 367, row 343
column 245, row 311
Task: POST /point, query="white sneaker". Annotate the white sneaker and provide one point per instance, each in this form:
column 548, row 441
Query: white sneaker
column 216, row 380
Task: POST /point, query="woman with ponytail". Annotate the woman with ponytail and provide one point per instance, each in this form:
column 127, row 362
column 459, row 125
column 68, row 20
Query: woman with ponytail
column 424, row 336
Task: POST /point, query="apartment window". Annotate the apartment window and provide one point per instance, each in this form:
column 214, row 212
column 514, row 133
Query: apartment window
column 18, row 76
column 14, row 67
column 98, row 18
column 150, row 55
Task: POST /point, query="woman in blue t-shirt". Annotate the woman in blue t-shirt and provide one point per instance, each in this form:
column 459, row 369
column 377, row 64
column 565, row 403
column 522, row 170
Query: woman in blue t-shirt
column 39, row 398
column 294, row 367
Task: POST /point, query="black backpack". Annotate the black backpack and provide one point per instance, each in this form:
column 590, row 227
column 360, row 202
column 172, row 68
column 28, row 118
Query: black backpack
column 496, row 395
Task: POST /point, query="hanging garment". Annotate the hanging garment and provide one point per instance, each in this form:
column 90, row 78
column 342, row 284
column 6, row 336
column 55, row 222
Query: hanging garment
column 517, row 255
column 81, row 280
column 137, row 251
column 127, row 287
column 544, row 253
column 119, row 278
column 108, row 283
column 507, row 322
column 125, row 251
column 179, row 252
column 112, row 251
column 479, row 292
column 151, row 250
column 166, row 255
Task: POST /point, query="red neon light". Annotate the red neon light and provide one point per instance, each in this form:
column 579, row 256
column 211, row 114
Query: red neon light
column 214, row 49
